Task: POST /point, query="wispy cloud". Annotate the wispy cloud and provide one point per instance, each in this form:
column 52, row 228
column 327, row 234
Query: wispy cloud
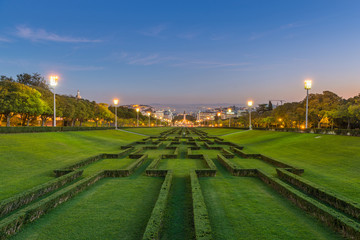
column 210, row 64
column 154, row 31
column 3, row 39
column 43, row 35
column 189, row 35
column 288, row 26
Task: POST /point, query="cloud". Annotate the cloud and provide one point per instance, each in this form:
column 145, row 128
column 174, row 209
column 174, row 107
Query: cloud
column 210, row 64
column 189, row 35
column 43, row 35
column 288, row 26
column 3, row 39
column 145, row 61
column 154, row 31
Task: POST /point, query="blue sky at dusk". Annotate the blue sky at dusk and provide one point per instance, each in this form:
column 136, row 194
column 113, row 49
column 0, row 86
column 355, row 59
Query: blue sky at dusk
column 185, row 51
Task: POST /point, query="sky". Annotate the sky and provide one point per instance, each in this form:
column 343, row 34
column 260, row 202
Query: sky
column 182, row 52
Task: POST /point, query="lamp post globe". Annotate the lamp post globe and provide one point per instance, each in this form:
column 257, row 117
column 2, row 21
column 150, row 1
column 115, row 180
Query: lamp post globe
column 137, row 117
column 116, row 102
column 53, row 83
column 250, row 104
column 307, row 86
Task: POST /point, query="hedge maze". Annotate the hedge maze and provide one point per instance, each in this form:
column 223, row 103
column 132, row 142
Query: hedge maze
column 182, row 158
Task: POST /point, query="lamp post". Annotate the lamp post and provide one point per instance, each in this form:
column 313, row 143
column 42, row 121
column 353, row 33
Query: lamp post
column 250, row 103
column 149, row 117
column 53, row 83
column 218, row 114
column 307, row 88
column 116, row 102
column 137, row 117
column 229, row 111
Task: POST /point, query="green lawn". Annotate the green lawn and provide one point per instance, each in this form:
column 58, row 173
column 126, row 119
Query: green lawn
column 330, row 161
column 117, row 208
column 28, row 159
column 147, row 131
column 246, row 208
column 220, row 131
column 107, row 164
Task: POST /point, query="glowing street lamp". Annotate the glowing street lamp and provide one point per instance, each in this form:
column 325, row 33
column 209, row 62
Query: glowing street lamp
column 137, row 117
column 250, row 103
column 116, row 102
column 218, row 114
column 53, row 83
column 229, row 111
column 307, row 84
column 149, row 117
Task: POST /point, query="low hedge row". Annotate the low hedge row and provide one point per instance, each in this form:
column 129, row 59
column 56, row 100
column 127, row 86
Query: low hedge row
column 137, row 153
column 12, row 224
column 339, row 202
column 48, row 129
column 155, row 223
column 268, row 160
column 227, row 153
column 90, row 160
column 233, row 168
column 201, row 217
column 10, row 204
column 128, row 170
column 209, row 162
column 209, row 172
column 338, row 222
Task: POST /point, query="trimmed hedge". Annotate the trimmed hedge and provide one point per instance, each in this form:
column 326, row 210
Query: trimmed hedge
column 339, row 202
column 48, row 129
column 227, row 153
column 210, row 172
column 268, row 160
column 137, row 153
column 10, row 204
column 155, row 223
column 12, row 224
column 233, row 168
column 89, row 160
column 201, row 217
column 128, row 170
column 335, row 220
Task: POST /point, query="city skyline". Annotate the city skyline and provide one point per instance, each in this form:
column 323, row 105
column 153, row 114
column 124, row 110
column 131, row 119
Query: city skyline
column 183, row 53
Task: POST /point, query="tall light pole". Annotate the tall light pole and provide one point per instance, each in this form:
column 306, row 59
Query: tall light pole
column 218, row 114
column 53, row 83
column 149, row 114
column 250, row 103
column 116, row 102
column 229, row 111
column 137, row 117
column 307, row 88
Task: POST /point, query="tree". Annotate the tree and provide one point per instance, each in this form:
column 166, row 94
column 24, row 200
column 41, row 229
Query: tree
column 16, row 98
column 35, row 80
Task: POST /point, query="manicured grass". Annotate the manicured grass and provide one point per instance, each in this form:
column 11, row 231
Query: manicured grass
column 107, row 164
column 117, row 208
column 147, row 131
column 182, row 166
column 246, row 208
column 28, row 159
column 330, row 161
column 219, row 131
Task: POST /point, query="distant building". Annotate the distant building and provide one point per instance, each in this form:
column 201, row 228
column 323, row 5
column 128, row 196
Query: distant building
column 78, row 95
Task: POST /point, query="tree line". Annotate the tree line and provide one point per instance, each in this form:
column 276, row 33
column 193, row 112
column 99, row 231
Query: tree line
column 326, row 110
column 28, row 97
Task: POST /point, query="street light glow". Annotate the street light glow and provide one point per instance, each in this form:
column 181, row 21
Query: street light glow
column 116, row 101
column 229, row 110
column 219, row 114
column 53, row 80
column 250, row 103
column 148, row 113
column 308, row 83
column 137, row 109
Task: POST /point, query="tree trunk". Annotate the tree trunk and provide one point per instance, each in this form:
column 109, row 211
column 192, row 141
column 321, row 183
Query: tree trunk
column 72, row 122
column 8, row 120
column 348, row 125
column 96, row 123
column 28, row 122
column 81, row 123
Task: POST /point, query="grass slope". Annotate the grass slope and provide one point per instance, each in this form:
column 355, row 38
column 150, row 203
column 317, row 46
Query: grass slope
column 246, row 208
column 28, row 159
column 330, row 161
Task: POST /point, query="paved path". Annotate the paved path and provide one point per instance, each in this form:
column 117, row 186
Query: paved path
column 133, row 133
column 233, row 133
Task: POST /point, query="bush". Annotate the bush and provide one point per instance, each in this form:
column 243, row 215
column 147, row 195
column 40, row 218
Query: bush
column 201, row 217
column 155, row 223
column 339, row 202
column 10, row 204
column 48, row 129
column 12, row 224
